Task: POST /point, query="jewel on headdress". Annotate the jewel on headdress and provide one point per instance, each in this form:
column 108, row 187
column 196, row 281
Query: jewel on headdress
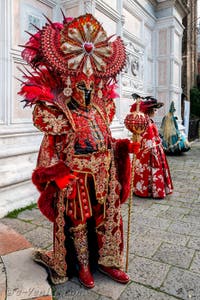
column 68, row 90
column 88, row 47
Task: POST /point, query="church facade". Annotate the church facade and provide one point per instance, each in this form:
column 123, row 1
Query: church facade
column 152, row 31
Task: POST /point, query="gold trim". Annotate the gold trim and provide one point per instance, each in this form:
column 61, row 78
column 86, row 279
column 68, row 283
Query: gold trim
column 88, row 195
column 60, row 252
column 80, row 202
column 63, row 106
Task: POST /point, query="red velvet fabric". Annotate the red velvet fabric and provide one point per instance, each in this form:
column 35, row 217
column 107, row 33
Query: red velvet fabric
column 123, row 164
column 42, row 175
column 43, row 178
column 46, row 202
column 134, row 147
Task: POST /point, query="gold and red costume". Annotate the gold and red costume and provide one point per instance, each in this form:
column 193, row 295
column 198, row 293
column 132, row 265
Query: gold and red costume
column 151, row 171
column 83, row 174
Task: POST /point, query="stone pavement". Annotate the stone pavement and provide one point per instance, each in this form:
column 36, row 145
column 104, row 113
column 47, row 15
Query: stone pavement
column 164, row 261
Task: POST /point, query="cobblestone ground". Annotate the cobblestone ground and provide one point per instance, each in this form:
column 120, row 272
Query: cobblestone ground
column 164, row 259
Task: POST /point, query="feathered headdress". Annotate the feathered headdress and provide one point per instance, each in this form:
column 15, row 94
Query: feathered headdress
column 66, row 51
column 146, row 103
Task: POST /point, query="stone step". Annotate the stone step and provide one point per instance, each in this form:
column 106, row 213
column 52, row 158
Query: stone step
column 20, row 276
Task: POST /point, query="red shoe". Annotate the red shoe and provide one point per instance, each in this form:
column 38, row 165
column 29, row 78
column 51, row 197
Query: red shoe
column 115, row 274
column 85, row 277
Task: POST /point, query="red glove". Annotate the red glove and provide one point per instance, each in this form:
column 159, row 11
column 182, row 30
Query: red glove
column 134, row 147
column 69, row 182
column 62, row 182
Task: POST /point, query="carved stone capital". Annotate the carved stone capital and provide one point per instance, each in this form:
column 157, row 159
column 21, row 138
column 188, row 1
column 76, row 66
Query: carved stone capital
column 89, row 6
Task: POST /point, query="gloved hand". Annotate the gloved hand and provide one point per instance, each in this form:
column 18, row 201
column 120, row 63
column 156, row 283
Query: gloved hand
column 68, row 183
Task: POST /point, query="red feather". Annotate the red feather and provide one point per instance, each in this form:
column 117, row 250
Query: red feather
column 110, row 92
column 29, row 54
column 33, row 94
column 40, row 86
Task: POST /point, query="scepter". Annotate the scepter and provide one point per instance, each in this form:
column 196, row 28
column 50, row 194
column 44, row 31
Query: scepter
column 136, row 122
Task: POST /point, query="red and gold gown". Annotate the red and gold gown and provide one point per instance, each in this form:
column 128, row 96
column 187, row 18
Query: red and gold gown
column 151, row 173
column 79, row 141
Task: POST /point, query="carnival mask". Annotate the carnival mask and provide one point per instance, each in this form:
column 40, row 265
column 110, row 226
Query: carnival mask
column 83, row 91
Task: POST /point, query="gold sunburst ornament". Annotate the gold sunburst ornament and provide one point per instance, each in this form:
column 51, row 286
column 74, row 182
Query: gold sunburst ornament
column 82, row 46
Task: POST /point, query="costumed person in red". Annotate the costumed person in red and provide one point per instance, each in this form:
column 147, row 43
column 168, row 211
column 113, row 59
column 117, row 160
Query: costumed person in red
column 82, row 173
column 151, row 172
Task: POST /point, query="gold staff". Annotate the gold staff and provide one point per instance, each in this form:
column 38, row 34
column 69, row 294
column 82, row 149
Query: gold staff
column 135, row 122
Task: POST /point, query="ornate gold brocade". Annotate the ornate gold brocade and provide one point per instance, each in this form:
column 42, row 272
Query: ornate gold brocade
column 111, row 252
column 81, row 243
column 98, row 165
column 60, row 265
column 48, row 119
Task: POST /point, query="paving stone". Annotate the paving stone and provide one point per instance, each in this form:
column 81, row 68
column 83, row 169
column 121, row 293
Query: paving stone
column 148, row 272
column 165, row 236
column 195, row 230
column 124, row 211
column 166, row 201
column 25, row 278
column 104, row 286
column 195, row 266
column 2, row 281
column 104, row 298
column 71, row 290
column 189, row 199
column 174, row 255
column 43, row 223
column 107, row 287
column 193, row 192
column 155, row 209
column 144, row 246
column 192, row 219
column 181, row 227
column 182, row 284
column 195, row 211
column 136, row 212
column 176, row 203
column 137, row 207
column 40, row 237
column 176, row 213
column 143, row 202
column 11, row 241
column 195, row 206
column 35, row 217
column 138, row 229
column 152, row 222
column 139, row 292
column 18, row 225
column 194, row 243
column 29, row 214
